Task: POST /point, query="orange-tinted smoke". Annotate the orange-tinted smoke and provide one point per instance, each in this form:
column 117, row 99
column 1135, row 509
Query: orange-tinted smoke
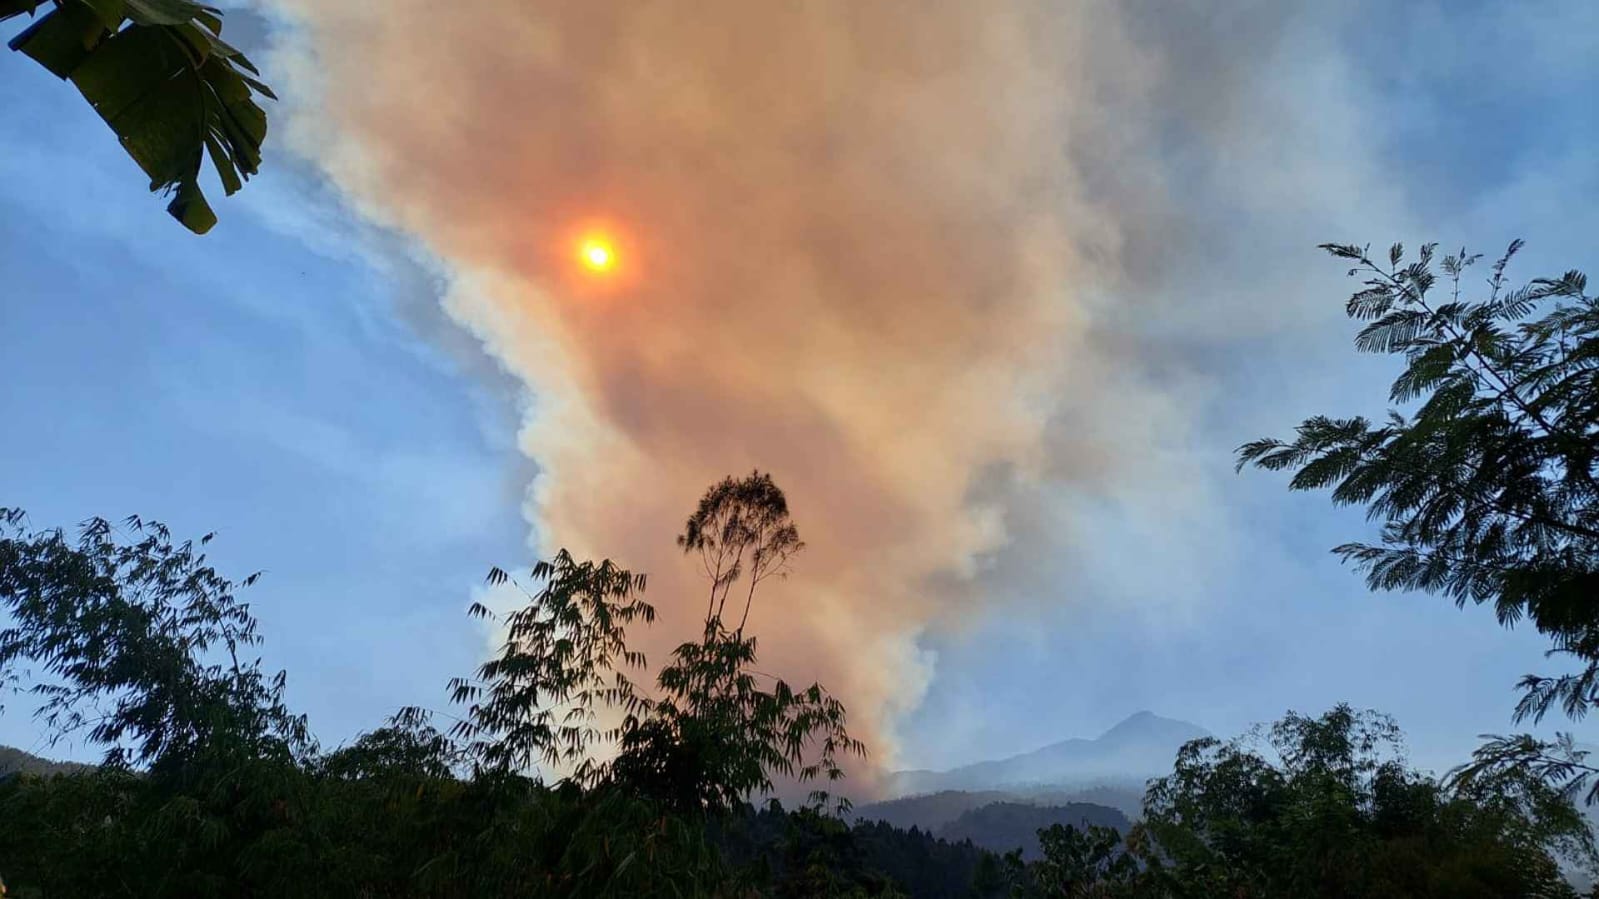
column 843, row 256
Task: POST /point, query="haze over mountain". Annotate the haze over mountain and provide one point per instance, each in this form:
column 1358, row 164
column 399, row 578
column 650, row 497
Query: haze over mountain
column 1140, row 747
column 1074, row 781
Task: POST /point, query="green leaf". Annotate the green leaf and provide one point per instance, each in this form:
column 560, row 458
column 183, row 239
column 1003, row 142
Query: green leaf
column 171, row 100
column 260, row 87
column 111, row 12
column 226, row 170
column 167, row 12
column 61, row 40
column 244, row 63
column 190, row 208
column 225, row 81
column 193, row 41
column 211, row 19
column 127, row 67
column 142, row 86
column 10, row 8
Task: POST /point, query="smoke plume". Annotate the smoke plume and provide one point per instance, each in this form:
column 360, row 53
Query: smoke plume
column 863, row 246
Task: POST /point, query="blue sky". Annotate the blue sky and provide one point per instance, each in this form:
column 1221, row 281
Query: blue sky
column 257, row 384
column 285, row 383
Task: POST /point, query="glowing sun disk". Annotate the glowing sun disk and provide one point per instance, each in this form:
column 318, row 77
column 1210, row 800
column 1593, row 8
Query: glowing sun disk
column 597, row 254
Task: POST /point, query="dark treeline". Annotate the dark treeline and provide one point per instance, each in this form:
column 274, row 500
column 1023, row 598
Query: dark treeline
column 212, row 786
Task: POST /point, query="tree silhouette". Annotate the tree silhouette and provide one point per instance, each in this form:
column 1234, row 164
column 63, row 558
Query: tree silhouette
column 1082, row 864
column 1315, row 806
column 141, row 645
column 715, row 732
column 216, row 789
column 1486, row 489
column 735, row 518
column 563, row 661
column 1328, row 807
column 719, row 733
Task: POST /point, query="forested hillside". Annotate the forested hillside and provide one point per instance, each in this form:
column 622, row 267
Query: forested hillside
column 1009, row 826
column 15, row 761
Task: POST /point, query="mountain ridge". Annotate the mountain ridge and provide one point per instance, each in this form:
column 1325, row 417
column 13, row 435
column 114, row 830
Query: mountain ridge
column 1139, row 747
column 17, row 761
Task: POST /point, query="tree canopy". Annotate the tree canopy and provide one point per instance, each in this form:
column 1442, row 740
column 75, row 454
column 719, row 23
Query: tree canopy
column 1482, row 478
column 213, row 786
column 1326, row 806
column 139, row 643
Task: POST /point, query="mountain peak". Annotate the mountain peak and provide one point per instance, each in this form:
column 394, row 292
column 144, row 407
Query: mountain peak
column 1142, row 746
column 1136, row 718
column 1146, row 727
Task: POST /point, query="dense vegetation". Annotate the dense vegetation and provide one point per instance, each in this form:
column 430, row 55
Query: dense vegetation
column 212, row 785
column 1004, row 826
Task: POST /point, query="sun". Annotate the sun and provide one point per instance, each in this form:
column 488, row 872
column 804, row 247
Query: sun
column 597, row 254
